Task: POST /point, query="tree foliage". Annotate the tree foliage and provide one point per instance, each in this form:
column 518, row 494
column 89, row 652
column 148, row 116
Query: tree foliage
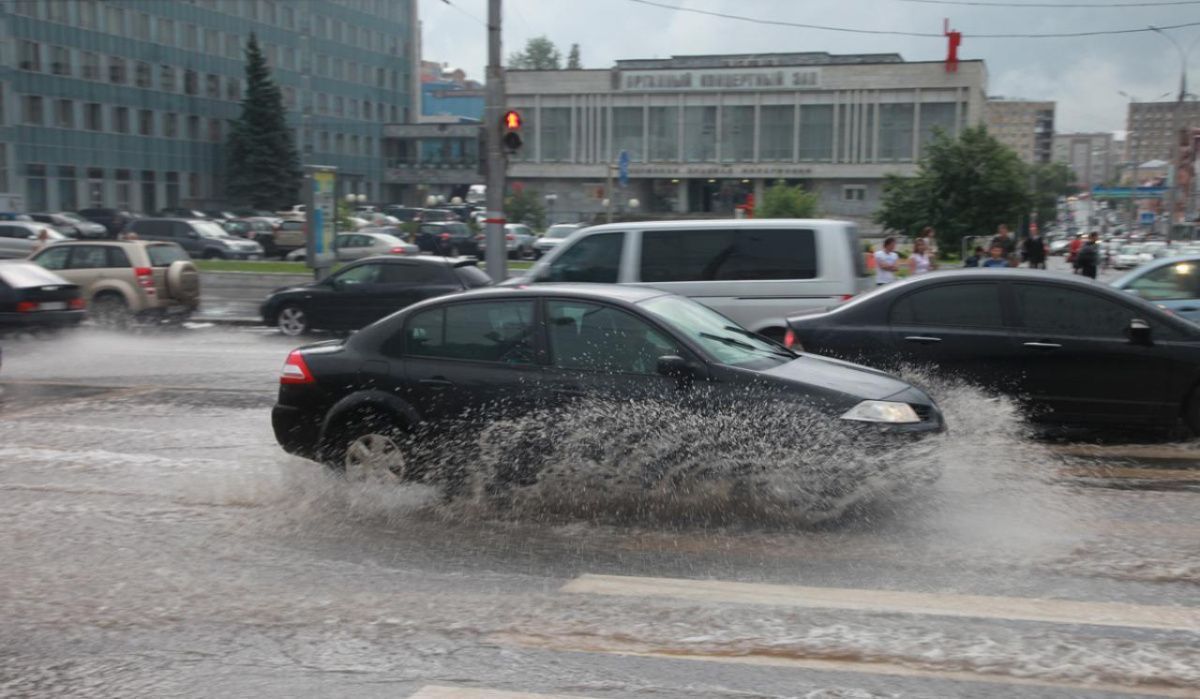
column 964, row 186
column 540, row 54
column 573, row 60
column 264, row 167
column 525, row 206
column 1049, row 182
column 782, row 201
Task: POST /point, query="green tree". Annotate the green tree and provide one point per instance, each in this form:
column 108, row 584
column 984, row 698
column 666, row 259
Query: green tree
column 1049, row 181
column 264, row 167
column 525, row 206
column 573, row 60
column 782, row 201
column 964, row 186
column 540, row 54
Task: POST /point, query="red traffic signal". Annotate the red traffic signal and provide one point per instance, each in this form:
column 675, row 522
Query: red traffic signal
column 512, row 120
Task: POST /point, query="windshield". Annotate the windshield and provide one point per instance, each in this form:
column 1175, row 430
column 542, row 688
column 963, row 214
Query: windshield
column 560, row 231
column 722, row 339
column 1130, row 250
column 208, row 229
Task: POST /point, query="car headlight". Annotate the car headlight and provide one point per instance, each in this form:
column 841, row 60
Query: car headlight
column 882, row 411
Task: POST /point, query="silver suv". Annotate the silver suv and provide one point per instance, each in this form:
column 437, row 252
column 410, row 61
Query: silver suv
column 124, row 281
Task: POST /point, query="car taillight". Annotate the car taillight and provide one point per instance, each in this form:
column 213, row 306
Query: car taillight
column 789, row 338
column 445, row 236
column 847, row 297
column 295, row 370
column 145, row 277
column 510, row 237
column 75, row 304
column 27, row 306
column 398, row 251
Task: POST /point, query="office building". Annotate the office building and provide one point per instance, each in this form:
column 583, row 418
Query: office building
column 127, row 103
column 1025, row 126
column 1091, row 156
column 1150, row 125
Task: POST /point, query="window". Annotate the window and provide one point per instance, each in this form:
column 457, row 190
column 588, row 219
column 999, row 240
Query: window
column 1170, row 283
column 35, row 184
column 58, row 12
column 92, row 119
column 1059, row 310
column 233, row 48
column 596, row 258
column 498, row 331
column 121, row 119
column 67, row 190
column 777, row 132
column 124, row 189
column 29, row 56
column 64, row 114
column 166, row 31
column 353, row 109
column 737, row 134
column 593, row 337
column 141, row 74
column 90, row 65
column 895, row 132
column 289, row 97
column 33, row 109
column 60, row 60
column 214, row 130
column 937, row 116
column 699, row 134
column 87, row 14
column 141, row 26
column 816, row 133
column 166, row 78
column 145, row 122
column 54, row 258
column 289, row 17
column 288, row 60
column 233, row 89
column 193, row 126
column 322, row 68
column 627, row 123
column 964, row 305
column 88, row 257
column 191, row 82
column 212, row 86
column 190, row 37
column 854, row 192
column 171, row 125
column 116, row 70
column 323, row 141
column 337, row 68
column 339, row 144
column 212, row 42
column 339, row 106
column 556, row 134
column 707, row 255
column 116, row 20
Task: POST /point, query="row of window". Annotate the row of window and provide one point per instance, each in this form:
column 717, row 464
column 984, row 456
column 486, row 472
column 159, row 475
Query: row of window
column 37, row 187
column 115, row 19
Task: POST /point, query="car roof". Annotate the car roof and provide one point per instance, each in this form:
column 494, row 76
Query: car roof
column 688, row 224
column 598, row 292
column 420, row 259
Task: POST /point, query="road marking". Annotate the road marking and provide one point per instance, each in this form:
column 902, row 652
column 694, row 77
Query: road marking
column 440, row 692
column 896, row 602
column 871, row 667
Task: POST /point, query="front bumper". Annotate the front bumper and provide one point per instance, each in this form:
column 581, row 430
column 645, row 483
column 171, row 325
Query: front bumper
column 296, row 430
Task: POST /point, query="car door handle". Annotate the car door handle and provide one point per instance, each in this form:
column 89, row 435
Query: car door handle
column 1043, row 345
column 923, row 339
column 437, row 382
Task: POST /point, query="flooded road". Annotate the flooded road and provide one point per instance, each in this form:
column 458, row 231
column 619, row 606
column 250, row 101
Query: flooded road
column 156, row 542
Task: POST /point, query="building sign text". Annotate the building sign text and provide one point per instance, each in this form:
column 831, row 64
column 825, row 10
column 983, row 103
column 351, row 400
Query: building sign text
column 744, row 79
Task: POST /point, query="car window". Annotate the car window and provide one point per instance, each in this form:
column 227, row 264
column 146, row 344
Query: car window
column 1061, row 310
column 1170, row 282
column 116, row 257
column 413, row 274
column 707, row 255
column 595, row 258
column 720, row 337
column 951, row 305
column 494, row 331
column 594, row 337
column 88, row 257
column 54, row 257
column 208, row 229
column 354, row 276
column 14, row 232
column 164, row 255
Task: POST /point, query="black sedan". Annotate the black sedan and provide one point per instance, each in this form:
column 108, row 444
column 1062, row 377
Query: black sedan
column 361, row 293
column 446, row 238
column 502, row 352
column 33, row 298
column 1072, row 350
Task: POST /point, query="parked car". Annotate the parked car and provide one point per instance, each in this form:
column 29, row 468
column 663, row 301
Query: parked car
column 71, row 225
column 1130, row 256
column 1072, row 350
column 403, row 213
column 269, row 216
column 436, row 215
column 14, row 216
column 290, row 235
column 297, row 212
column 219, row 215
column 31, row 297
column 518, row 240
column 441, row 238
column 757, row 272
column 20, row 238
column 183, row 212
column 201, row 239
column 125, row 281
column 257, row 229
column 113, row 220
column 480, row 356
column 365, row 291
column 363, row 243
column 1173, row 284
column 554, row 236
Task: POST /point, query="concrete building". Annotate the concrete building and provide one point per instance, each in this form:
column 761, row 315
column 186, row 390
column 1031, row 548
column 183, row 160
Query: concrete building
column 1149, row 128
column 1025, row 126
column 703, row 133
column 127, row 103
column 1091, row 156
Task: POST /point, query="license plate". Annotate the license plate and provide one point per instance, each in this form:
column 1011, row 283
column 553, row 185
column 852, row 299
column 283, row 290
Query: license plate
column 53, row 306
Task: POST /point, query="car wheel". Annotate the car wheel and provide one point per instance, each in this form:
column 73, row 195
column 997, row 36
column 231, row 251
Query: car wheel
column 292, row 321
column 110, row 311
column 1191, row 412
column 211, row 254
column 369, row 448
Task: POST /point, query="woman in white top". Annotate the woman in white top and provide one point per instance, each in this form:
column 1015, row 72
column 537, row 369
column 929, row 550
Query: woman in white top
column 921, row 261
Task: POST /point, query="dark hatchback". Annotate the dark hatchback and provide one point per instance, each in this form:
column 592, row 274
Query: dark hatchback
column 505, row 351
column 32, row 297
column 1073, row 351
column 446, row 238
column 363, row 292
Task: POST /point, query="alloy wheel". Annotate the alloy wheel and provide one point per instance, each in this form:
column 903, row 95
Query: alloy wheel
column 292, row 321
column 374, row 458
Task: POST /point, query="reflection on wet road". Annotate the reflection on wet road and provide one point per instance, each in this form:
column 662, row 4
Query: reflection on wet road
column 156, row 542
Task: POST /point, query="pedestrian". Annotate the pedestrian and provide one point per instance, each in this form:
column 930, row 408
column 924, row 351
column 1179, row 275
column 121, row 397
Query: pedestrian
column 1033, row 250
column 1089, row 257
column 997, row 258
column 930, row 238
column 887, row 262
column 974, row 260
column 1073, row 251
column 43, row 239
column 1004, row 240
column 921, row 261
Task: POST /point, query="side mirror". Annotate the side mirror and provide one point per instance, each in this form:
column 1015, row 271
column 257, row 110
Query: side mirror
column 675, row 367
column 1139, row 332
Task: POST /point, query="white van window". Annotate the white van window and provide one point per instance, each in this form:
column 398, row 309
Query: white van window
column 719, row 255
column 596, row 258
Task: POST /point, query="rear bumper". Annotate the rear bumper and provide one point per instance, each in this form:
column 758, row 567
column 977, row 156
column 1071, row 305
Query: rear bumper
column 296, row 430
column 41, row 319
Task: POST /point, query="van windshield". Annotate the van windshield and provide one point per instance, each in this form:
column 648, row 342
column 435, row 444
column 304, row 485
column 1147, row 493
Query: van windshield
column 723, row 339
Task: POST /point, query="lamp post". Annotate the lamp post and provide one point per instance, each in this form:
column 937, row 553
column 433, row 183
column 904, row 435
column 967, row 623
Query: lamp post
column 1175, row 123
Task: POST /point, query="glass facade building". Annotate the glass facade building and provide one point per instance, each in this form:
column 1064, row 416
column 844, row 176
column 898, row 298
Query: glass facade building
column 127, row 103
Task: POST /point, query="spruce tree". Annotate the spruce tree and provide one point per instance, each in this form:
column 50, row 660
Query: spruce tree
column 263, row 167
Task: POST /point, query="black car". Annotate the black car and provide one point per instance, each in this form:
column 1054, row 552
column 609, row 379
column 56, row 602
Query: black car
column 363, row 292
column 445, row 238
column 113, row 220
column 1072, row 350
column 32, row 297
column 494, row 352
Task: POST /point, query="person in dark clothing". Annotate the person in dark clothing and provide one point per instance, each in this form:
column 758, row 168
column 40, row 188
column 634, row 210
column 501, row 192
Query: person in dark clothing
column 973, row 260
column 1004, row 240
column 1089, row 257
column 1033, row 251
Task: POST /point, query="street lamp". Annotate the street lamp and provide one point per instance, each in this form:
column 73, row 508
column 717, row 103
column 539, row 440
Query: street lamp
column 1175, row 124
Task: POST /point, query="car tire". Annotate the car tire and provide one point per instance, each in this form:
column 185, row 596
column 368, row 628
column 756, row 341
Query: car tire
column 211, row 254
column 110, row 311
column 292, row 320
column 368, row 447
column 1191, row 412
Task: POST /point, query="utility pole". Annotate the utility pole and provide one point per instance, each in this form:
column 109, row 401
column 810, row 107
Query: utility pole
column 493, row 113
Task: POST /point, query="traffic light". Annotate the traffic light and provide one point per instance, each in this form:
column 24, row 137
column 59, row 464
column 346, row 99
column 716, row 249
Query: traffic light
column 512, row 131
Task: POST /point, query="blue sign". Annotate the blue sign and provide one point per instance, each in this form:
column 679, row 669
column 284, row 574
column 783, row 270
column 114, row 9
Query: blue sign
column 1128, row 192
column 1146, row 218
column 623, row 168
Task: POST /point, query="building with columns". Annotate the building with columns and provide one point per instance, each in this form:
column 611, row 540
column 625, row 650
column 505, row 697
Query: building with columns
column 703, row 133
column 1091, row 156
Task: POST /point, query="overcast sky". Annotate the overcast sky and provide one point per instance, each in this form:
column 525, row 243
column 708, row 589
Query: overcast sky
column 1084, row 75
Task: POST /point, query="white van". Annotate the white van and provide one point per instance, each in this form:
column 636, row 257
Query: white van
column 757, row 272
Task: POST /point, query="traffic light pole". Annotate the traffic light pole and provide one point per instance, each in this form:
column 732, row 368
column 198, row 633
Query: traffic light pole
column 497, row 251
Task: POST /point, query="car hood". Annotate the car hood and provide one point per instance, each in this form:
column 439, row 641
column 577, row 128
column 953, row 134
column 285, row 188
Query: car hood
column 835, row 375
